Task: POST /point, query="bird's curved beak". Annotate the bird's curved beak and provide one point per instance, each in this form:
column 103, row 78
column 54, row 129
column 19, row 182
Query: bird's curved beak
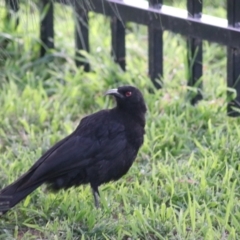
column 114, row 92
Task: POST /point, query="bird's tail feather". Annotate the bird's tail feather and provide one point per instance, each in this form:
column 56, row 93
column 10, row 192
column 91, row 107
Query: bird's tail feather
column 13, row 194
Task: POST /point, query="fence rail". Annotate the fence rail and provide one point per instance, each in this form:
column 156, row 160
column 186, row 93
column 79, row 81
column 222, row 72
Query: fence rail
column 158, row 17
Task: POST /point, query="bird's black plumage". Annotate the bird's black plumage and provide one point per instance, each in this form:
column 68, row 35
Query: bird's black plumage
column 101, row 149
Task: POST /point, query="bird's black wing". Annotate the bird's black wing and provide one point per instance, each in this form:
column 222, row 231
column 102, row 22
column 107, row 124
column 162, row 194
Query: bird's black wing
column 96, row 138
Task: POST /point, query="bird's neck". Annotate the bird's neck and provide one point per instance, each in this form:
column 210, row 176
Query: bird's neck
column 134, row 114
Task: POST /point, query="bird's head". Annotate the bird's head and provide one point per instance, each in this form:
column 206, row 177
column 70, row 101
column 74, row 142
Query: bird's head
column 129, row 99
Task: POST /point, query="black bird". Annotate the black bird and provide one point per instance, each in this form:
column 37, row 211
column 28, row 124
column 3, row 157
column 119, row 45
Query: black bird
column 101, row 149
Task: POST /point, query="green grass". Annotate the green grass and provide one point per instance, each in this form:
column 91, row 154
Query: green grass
column 185, row 181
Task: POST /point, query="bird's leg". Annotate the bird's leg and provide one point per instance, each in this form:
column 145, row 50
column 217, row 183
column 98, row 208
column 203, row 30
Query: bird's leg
column 96, row 196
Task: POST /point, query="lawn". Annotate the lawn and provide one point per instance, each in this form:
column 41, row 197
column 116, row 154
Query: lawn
column 185, row 182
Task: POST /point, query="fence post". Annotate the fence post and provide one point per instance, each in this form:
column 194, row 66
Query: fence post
column 233, row 58
column 12, row 7
column 155, row 49
column 81, row 34
column 194, row 52
column 47, row 27
column 118, row 41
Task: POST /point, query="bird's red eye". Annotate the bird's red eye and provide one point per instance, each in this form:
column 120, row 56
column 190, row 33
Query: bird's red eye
column 128, row 94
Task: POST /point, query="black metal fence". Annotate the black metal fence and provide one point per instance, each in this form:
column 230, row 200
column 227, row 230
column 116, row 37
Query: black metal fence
column 157, row 17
